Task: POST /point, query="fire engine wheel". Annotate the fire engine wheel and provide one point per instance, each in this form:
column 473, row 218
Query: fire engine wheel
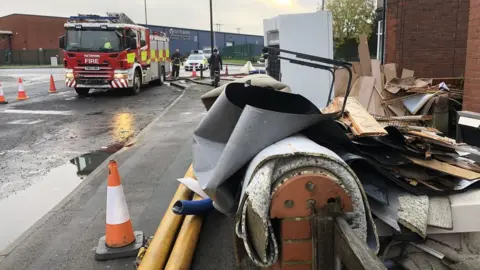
column 82, row 91
column 137, row 83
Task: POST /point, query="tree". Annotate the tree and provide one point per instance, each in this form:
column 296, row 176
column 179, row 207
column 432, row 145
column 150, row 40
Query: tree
column 350, row 19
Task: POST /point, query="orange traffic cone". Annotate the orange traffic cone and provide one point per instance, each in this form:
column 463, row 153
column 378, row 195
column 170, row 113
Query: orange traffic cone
column 52, row 89
column 120, row 241
column 226, row 69
column 21, row 92
column 194, row 72
column 2, row 97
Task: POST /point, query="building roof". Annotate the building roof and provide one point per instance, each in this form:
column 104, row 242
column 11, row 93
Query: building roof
column 148, row 25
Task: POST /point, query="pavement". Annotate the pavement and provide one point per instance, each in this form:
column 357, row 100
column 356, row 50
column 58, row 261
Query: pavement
column 66, row 235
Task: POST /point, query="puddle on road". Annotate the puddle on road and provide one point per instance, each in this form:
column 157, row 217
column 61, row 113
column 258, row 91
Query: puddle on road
column 23, row 209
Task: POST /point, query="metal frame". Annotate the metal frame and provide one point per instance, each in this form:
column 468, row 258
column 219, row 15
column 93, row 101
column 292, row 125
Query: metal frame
column 331, row 66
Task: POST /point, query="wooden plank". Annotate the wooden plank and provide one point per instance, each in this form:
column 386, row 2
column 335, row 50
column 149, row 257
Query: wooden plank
column 390, row 71
column 446, row 168
column 353, row 253
column 364, row 90
column 362, row 123
column 407, row 73
column 364, row 55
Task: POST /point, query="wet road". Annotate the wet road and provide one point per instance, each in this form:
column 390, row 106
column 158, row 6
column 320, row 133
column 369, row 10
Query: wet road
column 43, row 141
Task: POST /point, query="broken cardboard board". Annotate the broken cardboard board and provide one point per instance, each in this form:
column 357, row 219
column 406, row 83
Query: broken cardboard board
column 356, row 68
column 407, row 73
column 397, row 108
column 446, row 168
column 433, row 138
column 390, row 71
column 375, row 104
column 379, row 79
column 341, row 82
column 364, row 55
column 440, row 213
column 363, row 124
column 415, row 103
column 413, row 213
column 363, row 90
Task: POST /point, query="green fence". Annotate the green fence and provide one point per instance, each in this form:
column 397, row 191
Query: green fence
column 250, row 52
column 28, row 57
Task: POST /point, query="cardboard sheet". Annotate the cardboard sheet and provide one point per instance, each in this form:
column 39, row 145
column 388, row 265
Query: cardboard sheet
column 364, row 55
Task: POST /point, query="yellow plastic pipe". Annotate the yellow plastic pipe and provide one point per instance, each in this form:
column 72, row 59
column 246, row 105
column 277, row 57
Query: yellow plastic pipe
column 184, row 248
column 163, row 240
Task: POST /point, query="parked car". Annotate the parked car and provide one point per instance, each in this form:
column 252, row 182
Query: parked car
column 195, row 60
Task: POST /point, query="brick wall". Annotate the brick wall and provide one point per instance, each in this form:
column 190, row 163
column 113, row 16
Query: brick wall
column 471, row 96
column 32, row 32
column 428, row 36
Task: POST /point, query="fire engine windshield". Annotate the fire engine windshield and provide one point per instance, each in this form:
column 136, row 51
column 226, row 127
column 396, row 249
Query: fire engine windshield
column 93, row 40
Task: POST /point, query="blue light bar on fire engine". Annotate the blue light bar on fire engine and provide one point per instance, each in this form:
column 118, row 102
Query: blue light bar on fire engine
column 97, row 18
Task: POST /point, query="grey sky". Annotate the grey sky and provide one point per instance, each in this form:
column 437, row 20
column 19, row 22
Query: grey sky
column 233, row 14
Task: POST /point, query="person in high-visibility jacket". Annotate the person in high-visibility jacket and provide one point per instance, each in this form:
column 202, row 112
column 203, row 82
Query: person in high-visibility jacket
column 177, row 61
column 107, row 45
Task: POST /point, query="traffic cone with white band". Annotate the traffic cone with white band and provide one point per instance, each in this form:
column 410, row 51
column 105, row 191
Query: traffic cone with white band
column 21, row 92
column 120, row 241
column 2, row 97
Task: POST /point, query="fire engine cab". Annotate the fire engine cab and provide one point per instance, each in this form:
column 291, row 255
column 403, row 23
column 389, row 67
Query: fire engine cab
column 112, row 52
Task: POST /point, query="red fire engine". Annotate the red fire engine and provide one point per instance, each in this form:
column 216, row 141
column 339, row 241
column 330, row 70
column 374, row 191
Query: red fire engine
column 112, row 52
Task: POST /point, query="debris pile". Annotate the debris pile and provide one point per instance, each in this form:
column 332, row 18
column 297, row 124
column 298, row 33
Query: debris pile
column 257, row 138
column 385, row 92
column 409, row 169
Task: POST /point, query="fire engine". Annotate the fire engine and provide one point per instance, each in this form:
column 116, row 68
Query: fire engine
column 112, row 52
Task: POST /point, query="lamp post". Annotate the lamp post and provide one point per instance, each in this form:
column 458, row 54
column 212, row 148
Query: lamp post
column 211, row 26
column 145, row 4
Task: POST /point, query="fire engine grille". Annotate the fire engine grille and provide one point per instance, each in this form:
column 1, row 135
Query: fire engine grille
column 92, row 81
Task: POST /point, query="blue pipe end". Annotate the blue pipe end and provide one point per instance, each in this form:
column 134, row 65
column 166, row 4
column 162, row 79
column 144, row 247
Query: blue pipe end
column 199, row 207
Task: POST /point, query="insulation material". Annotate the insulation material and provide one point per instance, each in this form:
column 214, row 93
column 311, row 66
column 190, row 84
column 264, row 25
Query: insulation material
column 243, row 121
column 268, row 169
column 440, row 213
column 413, row 213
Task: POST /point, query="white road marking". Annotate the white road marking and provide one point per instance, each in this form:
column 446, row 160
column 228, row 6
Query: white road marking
column 186, row 113
column 17, row 151
column 71, row 98
column 38, row 112
column 25, row 122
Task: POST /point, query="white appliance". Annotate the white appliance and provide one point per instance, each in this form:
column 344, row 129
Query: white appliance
column 309, row 33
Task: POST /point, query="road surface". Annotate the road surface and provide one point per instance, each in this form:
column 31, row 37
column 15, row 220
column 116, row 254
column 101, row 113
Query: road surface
column 51, row 142
column 65, row 238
